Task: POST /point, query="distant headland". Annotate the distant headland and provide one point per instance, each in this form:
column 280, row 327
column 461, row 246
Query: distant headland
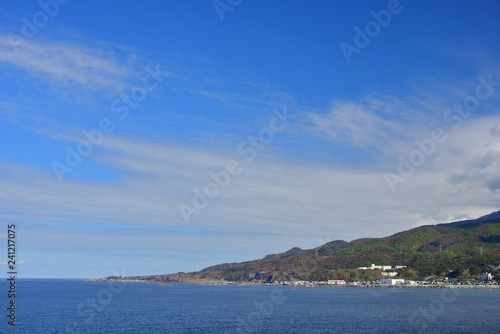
column 463, row 254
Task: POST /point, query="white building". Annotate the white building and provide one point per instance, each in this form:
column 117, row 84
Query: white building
column 392, row 281
column 336, row 281
column 373, row 266
column 485, row 277
column 389, row 273
column 399, row 267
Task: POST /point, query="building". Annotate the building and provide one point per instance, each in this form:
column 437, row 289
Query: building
column 336, row 282
column 485, row 277
column 389, row 273
column 392, row 281
column 373, row 266
column 497, row 268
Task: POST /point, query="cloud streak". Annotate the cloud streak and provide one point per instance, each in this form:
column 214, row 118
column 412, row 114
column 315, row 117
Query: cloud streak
column 371, row 122
column 66, row 64
column 294, row 202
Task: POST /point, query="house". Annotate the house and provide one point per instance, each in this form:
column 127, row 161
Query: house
column 373, row 266
column 392, row 281
column 485, row 277
column 336, row 282
column 389, row 273
column 497, row 268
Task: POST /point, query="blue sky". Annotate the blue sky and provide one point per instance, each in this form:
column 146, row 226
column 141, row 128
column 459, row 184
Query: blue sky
column 198, row 140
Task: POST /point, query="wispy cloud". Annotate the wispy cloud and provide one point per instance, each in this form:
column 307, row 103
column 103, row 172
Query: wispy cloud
column 371, row 122
column 483, row 168
column 88, row 68
column 391, row 123
column 296, row 201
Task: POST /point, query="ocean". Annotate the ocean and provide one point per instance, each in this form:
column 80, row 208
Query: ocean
column 75, row 306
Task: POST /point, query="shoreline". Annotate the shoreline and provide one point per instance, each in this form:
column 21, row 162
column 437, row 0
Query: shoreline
column 398, row 286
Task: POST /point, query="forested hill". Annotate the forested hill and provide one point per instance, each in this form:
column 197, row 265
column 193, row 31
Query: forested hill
column 453, row 250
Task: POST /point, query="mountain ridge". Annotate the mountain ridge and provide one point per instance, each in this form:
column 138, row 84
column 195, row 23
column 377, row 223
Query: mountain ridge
column 457, row 249
column 425, row 250
column 492, row 216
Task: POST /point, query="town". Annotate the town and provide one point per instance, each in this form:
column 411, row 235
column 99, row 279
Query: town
column 482, row 281
column 485, row 280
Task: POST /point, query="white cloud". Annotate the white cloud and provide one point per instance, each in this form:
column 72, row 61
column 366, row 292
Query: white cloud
column 379, row 123
column 481, row 167
column 279, row 203
column 392, row 123
column 88, row 68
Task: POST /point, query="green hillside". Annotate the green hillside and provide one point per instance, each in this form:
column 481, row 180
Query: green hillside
column 448, row 250
column 424, row 250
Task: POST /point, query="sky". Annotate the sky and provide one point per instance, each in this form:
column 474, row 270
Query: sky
column 155, row 137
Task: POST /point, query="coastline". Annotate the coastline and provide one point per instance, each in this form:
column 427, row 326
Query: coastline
column 394, row 286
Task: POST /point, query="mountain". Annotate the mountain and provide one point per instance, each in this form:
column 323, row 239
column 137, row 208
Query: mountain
column 490, row 217
column 459, row 249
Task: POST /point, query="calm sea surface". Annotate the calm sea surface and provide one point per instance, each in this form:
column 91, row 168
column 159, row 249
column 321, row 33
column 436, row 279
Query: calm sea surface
column 73, row 306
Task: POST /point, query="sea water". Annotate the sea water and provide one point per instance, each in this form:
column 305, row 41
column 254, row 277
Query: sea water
column 75, row 306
